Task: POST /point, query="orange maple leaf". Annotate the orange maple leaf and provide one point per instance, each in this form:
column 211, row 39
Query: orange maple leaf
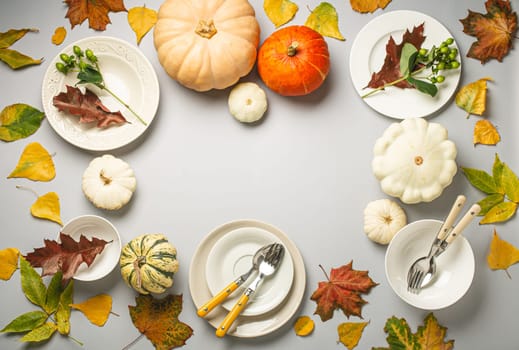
column 96, row 11
column 342, row 290
column 494, row 30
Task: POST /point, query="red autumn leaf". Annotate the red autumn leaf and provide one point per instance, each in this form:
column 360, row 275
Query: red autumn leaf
column 158, row 320
column 390, row 70
column 66, row 255
column 342, row 291
column 87, row 106
column 494, row 30
column 95, row 11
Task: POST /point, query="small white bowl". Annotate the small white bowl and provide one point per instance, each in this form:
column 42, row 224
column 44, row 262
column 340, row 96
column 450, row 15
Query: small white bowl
column 454, row 268
column 95, row 226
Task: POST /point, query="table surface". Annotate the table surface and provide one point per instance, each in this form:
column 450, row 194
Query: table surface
column 305, row 169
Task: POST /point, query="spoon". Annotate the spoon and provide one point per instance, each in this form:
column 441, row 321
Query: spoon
column 231, row 287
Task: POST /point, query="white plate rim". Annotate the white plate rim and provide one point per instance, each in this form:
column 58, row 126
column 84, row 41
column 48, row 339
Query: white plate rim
column 395, row 102
column 425, row 300
column 282, row 279
column 112, row 137
column 111, row 250
column 276, row 318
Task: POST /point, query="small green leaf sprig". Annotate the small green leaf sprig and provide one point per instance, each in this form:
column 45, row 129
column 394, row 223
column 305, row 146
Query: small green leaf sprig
column 413, row 62
column 87, row 66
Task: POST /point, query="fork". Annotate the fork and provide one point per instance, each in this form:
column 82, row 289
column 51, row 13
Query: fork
column 422, row 266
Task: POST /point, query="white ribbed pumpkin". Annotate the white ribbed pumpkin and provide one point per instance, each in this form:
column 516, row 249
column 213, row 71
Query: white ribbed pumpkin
column 206, row 44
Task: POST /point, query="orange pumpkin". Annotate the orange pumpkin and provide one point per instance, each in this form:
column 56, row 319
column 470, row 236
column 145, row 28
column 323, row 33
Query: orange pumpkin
column 294, row 61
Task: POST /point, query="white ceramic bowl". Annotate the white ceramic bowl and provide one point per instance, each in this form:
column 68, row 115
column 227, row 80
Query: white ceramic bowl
column 454, row 268
column 95, row 226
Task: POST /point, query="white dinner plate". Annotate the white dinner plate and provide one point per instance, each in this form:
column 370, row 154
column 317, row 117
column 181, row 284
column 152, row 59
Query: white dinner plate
column 232, row 256
column 454, row 268
column 98, row 227
column 247, row 326
column 367, row 57
column 126, row 72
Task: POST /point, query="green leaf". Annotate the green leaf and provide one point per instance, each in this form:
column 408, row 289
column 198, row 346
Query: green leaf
column 481, row 180
column 490, row 201
column 32, row 284
column 325, row 21
column 407, row 59
column 26, row 322
column 63, row 312
column 53, row 293
column 423, row 86
column 499, row 213
column 90, row 75
column 510, row 183
column 41, row 333
column 18, row 121
column 399, row 335
column 497, row 173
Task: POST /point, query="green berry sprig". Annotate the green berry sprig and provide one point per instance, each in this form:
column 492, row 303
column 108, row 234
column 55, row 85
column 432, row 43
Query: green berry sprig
column 85, row 63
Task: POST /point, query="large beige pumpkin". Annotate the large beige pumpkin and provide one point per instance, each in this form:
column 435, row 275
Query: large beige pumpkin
column 207, row 44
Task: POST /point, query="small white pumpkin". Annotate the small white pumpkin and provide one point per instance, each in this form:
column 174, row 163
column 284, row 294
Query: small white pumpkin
column 414, row 160
column 383, row 218
column 109, row 182
column 247, row 102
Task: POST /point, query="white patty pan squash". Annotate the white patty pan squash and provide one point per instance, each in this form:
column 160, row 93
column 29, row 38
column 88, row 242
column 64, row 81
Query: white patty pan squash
column 414, row 160
column 206, row 44
column 108, row 182
column 148, row 263
column 383, row 218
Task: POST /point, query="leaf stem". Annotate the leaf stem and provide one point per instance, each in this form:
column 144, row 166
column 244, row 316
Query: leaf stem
column 133, row 342
column 104, row 87
column 322, row 268
column 80, row 343
column 394, row 82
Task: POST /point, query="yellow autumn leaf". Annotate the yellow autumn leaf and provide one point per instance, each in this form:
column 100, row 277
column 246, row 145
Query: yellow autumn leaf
column 502, row 254
column 324, row 20
column 59, row 35
column 47, row 207
column 280, row 11
column 8, row 262
column 350, row 333
column 303, row 326
column 485, row 133
column 141, row 20
column 473, row 97
column 364, row 6
column 35, row 164
column 96, row 309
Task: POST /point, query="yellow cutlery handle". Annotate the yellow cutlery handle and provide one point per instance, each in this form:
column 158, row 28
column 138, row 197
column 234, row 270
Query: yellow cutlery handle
column 232, row 315
column 217, row 299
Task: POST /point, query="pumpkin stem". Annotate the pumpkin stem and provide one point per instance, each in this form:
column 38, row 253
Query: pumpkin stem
column 388, row 219
column 137, row 266
column 292, row 48
column 418, row 160
column 205, row 29
column 105, row 178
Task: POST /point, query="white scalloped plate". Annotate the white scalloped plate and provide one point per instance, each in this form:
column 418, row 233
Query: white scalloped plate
column 127, row 72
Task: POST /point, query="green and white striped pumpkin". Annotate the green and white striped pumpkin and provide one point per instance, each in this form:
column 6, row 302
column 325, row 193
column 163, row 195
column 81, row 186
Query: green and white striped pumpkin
column 148, row 263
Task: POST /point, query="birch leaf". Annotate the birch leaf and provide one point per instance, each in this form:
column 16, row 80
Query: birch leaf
column 280, row 11
column 480, row 179
column 59, row 35
column 47, row 207
column 63, row 312
column 26, row 322
column 490, row 201
column 141, row 20
column 96, row 309
column 8, row 262
column 18, row 121
column 364, row 6
column 502, row 254
column 510, row 183
column 304, row 326
column 350, row 333
column 53, row 293
column 41, row 333
column 324, row 20
column 473, row 97
column 35, row 164
column 485, row 133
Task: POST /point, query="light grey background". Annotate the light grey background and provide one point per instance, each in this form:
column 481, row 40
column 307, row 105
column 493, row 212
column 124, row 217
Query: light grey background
column 305, row 169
